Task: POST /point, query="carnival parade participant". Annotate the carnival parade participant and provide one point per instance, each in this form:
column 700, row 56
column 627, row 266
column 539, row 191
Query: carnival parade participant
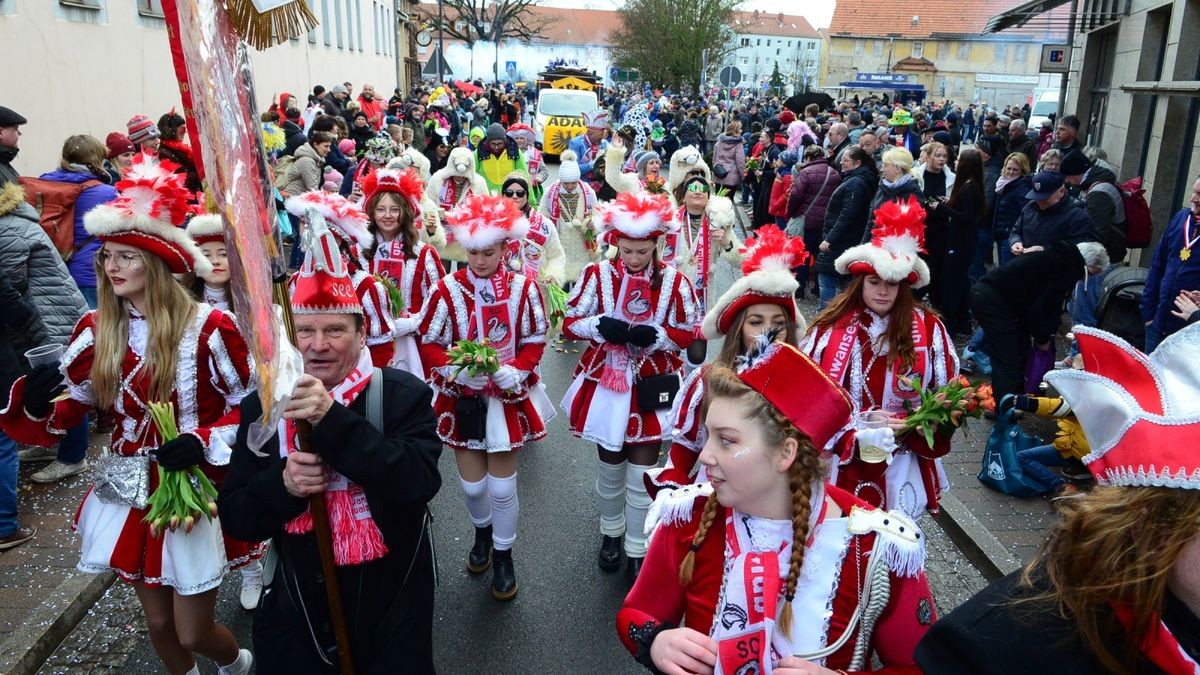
column 208, row 232
column 877, row 341
column 485, row 418
column 534, row 162
column 645, row 174
column 638, row 314
column 431, row 232
column 149, row 341
column 450, row 186
column 761, row 301
column 769, row 567
column 1114, row 589
column 539, row 256
column 705, row 250
column 570, row 203
column 348, row 224
column 590, row 145
column 409, row 266
column 372, row 453
column 686, row 163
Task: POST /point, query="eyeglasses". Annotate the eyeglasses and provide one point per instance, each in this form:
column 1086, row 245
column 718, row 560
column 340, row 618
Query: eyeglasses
column 123, row 260
column 697, row 187
column 515, row 194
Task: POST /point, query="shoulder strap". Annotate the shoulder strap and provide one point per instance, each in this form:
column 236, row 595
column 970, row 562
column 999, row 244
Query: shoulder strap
column 828, row 170
column 375, row 399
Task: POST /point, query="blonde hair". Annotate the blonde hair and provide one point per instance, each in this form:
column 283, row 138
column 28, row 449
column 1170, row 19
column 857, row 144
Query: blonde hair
column 900, row 158
column 169, row 310
column 84, row 150
column 1022, row 161
column 722, row 382
column 731, row 346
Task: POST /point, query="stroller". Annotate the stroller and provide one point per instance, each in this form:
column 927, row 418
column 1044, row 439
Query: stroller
column 1118, row 310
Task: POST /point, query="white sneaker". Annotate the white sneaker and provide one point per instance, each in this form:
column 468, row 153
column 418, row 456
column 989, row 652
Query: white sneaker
column 57, row 471
column 34, row 453
column 251, row 585
column 239, row 667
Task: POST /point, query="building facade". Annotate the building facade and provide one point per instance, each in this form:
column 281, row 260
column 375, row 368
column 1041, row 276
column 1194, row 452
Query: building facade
column 934, row 50
column 765, row 40
column 87, row 66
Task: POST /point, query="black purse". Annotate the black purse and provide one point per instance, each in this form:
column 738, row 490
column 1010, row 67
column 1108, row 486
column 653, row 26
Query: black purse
column 720, row 171
column 657, row 391
column 471, row 417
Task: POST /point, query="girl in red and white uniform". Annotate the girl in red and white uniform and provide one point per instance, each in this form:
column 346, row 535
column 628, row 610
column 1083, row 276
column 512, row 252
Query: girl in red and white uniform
column 540, row 254
column 348, row 223
column 637, row 313
column 486, row 418
column 769, row 568
column 393, row 205
column 761, row 301
column 876, row 341
column 149, row 341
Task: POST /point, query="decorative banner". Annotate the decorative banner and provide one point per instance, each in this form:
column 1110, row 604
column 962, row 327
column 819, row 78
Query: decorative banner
column 264, row 23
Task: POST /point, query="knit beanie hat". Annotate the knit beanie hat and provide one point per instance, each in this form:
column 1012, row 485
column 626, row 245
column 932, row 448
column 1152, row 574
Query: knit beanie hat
column 141, row 129
column 568, row 167
column 117, row 144
column 495, row 132
column 347, row 146
column 332, row 180
column 642, row 158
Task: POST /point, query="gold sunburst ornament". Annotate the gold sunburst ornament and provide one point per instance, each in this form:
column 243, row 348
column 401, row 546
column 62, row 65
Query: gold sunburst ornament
column 265, row 23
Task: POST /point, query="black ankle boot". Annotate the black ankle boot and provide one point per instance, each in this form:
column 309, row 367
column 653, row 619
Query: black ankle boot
column 633, row 567
column 480, row 557
column 504, row 576
column 610, row 553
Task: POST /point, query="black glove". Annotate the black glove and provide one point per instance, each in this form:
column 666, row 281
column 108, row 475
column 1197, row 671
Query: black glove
column 614, row 331
column 643, row 335
column 42, row 383
column 182, row 453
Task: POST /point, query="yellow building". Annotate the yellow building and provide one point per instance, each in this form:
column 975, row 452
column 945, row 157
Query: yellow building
column 933, row 50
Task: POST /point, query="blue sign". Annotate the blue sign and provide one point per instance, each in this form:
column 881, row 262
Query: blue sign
column 510, row 66
column 884, row 78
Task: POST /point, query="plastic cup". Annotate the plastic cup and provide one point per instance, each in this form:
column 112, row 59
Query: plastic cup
column 872, row 419
column 44, row 355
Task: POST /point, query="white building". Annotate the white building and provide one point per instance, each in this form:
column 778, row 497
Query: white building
column 765, row 39
column 87, row 66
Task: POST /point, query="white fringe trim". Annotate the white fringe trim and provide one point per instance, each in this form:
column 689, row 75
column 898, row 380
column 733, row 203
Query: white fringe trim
column 674, row 507
column 897, row 538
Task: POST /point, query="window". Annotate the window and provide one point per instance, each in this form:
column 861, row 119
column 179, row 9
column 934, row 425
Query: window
column 759, row 43
column 1020, row 53
column 358, row 23
column 337, row 15
column 312, row 34
column 150, row 8
column 1001, row 52
column 350, row 23
column 918, row 48
column 377, row 18
column 768, row 42
column 878, row 48
column 964, row 51
column 81, row 11
column 778, row 52
column 86, row 4
column 860, row 47
column 812, row 45
column 325, row 28
column 943, row 52
column 789, row 43
column 745, row 42
column 745, row 60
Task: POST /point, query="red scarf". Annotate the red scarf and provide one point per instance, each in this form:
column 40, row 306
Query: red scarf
column 356, row 537
column 1159, row 646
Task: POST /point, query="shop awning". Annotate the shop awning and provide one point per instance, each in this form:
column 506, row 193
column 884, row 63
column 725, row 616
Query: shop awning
column 1020, row 15
column 885, row 86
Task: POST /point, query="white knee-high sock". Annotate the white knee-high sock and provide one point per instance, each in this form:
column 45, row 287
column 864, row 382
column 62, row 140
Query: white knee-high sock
column 610, row 490
column 505, row 508
column 478, row 504
column 637, row 503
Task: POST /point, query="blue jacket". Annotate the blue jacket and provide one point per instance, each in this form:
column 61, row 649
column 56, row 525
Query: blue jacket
column 80, row 264
column 1168, row 275
column 1065, row 221
column 1008, row 206
column 579, row 146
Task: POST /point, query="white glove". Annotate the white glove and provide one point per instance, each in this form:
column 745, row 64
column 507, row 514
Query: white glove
column 876, row 445
column 465, row 379
column 507, row 378
column 406, row 325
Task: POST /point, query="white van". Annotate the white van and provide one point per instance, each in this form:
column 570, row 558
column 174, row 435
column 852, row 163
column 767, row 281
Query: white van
column 1045, row 104
column 559, row 117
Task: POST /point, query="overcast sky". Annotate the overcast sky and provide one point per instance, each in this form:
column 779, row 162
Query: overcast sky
column 818, row 12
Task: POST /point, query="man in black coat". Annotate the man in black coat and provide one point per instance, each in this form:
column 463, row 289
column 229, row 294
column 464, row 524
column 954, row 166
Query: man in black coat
column 390, row 463
column 14, row 315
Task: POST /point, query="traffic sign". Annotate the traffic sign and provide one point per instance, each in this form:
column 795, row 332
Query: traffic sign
column 730, row 76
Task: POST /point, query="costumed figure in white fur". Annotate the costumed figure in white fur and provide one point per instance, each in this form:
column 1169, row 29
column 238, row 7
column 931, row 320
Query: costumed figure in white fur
column 348, row 223
column 431, row 230
column 637, row 314
column 485, row 417
column 685, row 163
column 570, row 203
column 448, row 187
column 647, row 169
column 409, row 267
column 149, row 341
column 877, row 341
column 760, row 302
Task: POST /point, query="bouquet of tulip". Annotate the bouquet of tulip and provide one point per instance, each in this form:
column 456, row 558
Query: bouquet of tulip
column 947, row 407
column 753, row 164
column 477, row 358
column 181, row 496
column 655, row 185
column 556, row 304
column 395, row 299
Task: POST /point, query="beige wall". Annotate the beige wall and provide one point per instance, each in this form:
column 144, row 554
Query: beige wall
column 70, row 76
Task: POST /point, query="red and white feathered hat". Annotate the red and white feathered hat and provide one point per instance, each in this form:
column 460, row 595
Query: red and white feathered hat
column 407, row 184
column 323, row 285
column 148, row 214
column 344, row 219
column 1140, row 413
column 768, row 260
column 206, row 228
column 481, row 221
column 640, row 216
column 798, row 388
column 597, row 119
column 893, row 252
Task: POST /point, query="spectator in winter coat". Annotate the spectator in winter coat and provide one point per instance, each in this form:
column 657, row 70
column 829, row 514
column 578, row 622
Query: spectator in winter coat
column 1019, row 141
column 369, row 104
column 690, row 132
column 966, row 210
column 782, row 187
column 994, row 151
column 813, row 184
column 728, row 152
column 897, row 183
column 333, row 103
column 1101, row 198
column 714, row 122
column 1172, row 271
column 1049, row 217
column 10, row 134
column 1012, row 195
column 295, row 135
column 336, row 158
column 845, row 219
column 937, row 183
column 14, row 314
column 307, row 171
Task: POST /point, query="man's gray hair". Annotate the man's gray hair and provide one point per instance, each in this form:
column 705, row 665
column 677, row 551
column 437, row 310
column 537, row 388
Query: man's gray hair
column 1095, row 256
column 841, row 128
column 1018, row 125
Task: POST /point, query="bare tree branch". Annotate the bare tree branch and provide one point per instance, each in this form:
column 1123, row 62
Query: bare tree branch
column 489, row 21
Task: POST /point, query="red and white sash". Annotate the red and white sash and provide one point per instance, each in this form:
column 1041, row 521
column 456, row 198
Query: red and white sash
column 635, row 304
column 493, row 319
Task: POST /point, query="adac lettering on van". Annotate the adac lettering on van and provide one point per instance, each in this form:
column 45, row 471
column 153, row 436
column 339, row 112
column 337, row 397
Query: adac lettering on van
column 563, row 121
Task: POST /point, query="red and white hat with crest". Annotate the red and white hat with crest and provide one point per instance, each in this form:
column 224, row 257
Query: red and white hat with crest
column 323, row 284
column 768, row 260
column 206, row 228
column 1140, row 413
column 482, row 221
column 407, row 184
column 148, row 214
column 893, row 253
column 345, row 220
column 640, row 216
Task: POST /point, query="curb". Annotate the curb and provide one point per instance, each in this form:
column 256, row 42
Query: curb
column 980, row 546
column 51, row 622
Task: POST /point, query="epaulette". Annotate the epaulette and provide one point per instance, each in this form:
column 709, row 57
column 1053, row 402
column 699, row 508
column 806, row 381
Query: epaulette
column 897, row 538
column 675, row 507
